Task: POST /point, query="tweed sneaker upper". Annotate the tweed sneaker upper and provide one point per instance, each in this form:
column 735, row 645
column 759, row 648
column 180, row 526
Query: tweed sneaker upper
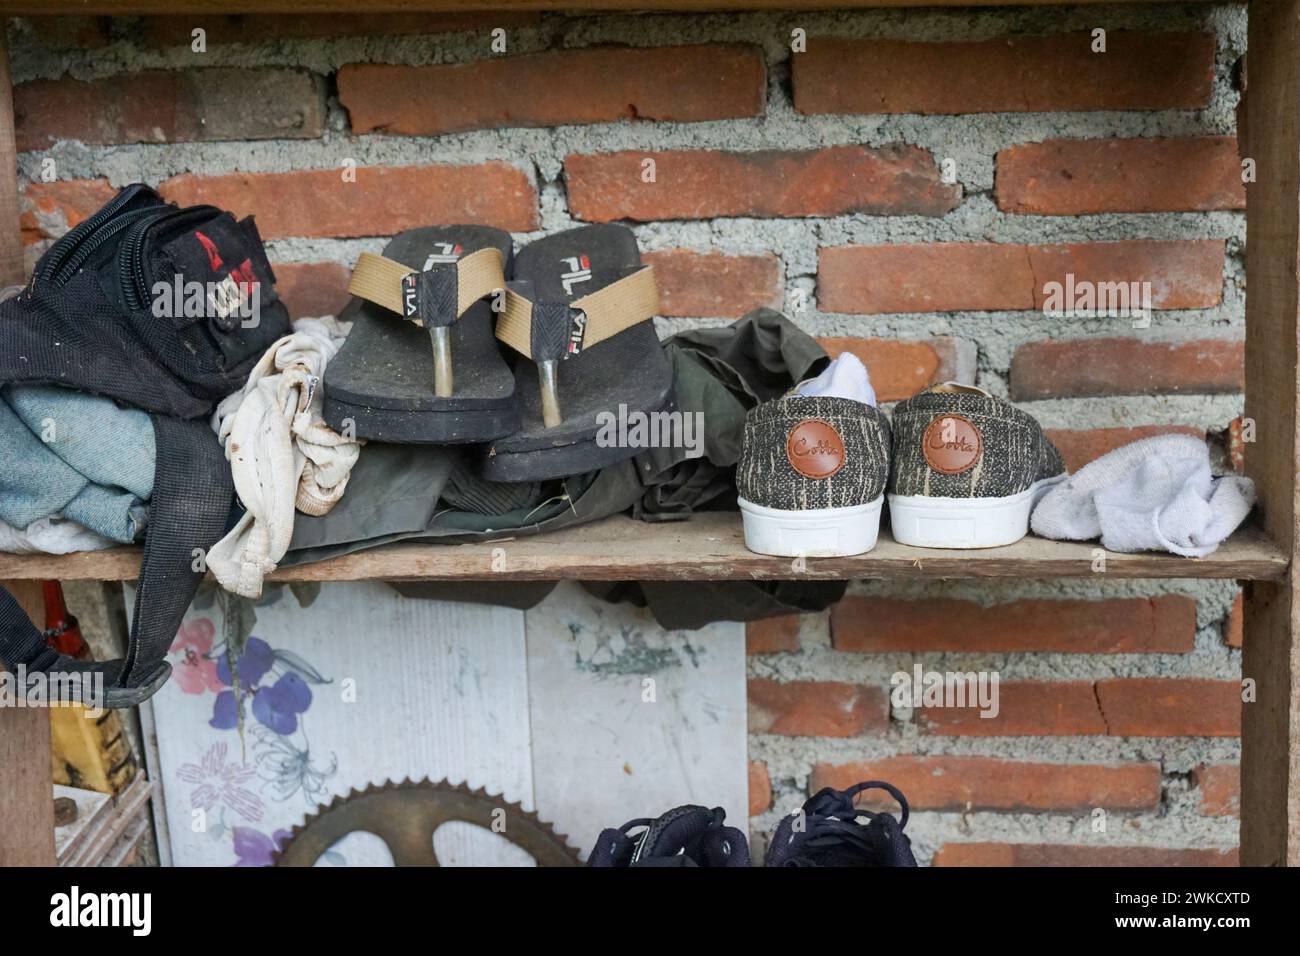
column 803, row 452
column 957, row 441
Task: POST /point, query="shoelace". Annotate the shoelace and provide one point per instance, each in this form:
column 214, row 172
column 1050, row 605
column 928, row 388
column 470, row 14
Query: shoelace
column 712, row 847
column 833, row 827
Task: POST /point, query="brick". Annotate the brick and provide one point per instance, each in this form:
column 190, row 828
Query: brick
column 159, row 106
column 773, row 635
column 1170, row 707
column 72, row 33
column 1025, row 708
column 1047, row 854
column 1236, row 444
column 383, row 200
column 1078, row 446
column 985, row 276
column 703, row 184
column 900, row 368
column 256, row 28
column 682, row 84
column 760, row 788
column 987, row 783
column 924, row 277
column 1234, row 624
column 51, row 209
column 1071, row 177
column 1092, row 367
column 1183, row 274
column 1220, row 785
column 1165, row 624
column 815, row 708
column 1012, row 74
column 312, row 288
column 711, row 284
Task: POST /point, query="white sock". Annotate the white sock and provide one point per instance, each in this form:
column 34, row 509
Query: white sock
column 1156, row 494
column 845, row 377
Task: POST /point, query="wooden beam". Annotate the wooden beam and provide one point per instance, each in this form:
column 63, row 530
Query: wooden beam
column 709, row 547
column 38, row 8
column 11, row 242
column 26, row 788
column 1270, row 762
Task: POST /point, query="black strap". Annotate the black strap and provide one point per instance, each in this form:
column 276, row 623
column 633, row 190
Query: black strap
column 192, row 492
column 20, row 641
column 188, row 513
column 431, row 295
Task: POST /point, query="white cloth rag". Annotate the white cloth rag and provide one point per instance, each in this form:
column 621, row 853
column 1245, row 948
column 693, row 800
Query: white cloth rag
column 52, row 535
column 845, row 377
column 1155, row 494
column 282, row 454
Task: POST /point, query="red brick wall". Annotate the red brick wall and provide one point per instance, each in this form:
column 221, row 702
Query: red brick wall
column 815, row 182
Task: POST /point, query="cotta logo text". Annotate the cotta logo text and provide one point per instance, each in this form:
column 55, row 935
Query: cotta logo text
column 815, row 449
column 951, row 444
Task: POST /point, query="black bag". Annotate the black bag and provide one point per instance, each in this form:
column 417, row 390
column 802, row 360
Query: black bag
column 167, row 310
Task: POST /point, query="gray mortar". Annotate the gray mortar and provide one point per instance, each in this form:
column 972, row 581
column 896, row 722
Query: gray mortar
column 973, row 142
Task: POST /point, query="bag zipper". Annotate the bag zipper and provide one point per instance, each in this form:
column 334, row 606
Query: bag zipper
column 86, row 249
column 66, row 245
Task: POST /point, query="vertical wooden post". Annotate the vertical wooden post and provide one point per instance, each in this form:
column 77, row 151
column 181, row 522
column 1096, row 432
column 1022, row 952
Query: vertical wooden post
column 26, row 794
column 11, row 243
column 1270, row 763
column 26, row 788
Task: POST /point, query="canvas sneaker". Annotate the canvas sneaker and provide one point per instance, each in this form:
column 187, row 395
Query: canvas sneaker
column 686, row 836
column 812, row 476
column 831, row 831
column 968, row 469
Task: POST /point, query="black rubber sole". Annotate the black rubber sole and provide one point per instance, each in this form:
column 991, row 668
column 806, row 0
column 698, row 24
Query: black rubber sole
column 380, row 385
column 560, row 461
column 399, row 427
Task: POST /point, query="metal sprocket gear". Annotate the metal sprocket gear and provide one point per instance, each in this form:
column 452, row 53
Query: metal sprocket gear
column 405, row 815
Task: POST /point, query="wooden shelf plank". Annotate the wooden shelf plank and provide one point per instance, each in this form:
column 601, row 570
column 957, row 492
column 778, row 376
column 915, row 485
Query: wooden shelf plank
column 709, row 547
column 221, row 7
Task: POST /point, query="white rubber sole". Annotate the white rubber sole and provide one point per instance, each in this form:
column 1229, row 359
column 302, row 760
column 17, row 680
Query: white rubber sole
column 925, row 522
column 815, row 533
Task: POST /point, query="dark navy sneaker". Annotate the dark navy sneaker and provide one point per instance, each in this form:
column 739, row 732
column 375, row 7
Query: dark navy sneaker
column 831, row 831
column 687, row 836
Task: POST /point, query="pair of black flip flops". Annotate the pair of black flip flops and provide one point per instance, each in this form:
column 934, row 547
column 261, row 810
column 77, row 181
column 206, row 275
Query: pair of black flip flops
column 422, row 364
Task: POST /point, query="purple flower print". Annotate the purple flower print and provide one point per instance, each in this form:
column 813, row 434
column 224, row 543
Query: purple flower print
column 253, row 663
column 277, row 683
column 279, row 705
column 217, row 781
column 254, row 848
column 225, row 711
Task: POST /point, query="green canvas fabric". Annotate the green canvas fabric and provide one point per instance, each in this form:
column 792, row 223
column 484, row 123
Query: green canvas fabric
column 399, row 492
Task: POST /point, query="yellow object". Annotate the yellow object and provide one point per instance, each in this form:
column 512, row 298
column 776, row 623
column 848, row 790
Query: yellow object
column 88, row 753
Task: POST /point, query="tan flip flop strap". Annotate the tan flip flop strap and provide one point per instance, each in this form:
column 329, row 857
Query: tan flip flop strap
column 378, row 279
column 609, row 311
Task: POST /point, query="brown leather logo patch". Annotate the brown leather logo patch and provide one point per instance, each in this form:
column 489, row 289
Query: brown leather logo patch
column 951, row 444
column 815, row 448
